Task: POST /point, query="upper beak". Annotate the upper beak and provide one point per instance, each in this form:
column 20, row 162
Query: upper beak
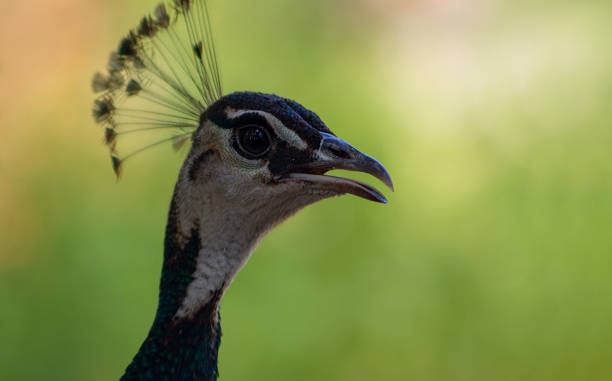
column 335, row 153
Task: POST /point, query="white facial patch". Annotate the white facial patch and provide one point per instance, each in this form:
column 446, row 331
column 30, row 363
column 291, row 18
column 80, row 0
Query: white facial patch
column 281, row 130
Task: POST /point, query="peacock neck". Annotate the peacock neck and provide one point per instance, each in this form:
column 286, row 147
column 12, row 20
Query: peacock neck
column 210, row 234
column 180, row 346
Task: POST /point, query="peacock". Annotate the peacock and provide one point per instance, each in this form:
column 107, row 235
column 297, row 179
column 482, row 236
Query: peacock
column 254, row 160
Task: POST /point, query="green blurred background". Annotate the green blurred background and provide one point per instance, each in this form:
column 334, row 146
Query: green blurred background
column 491, row 261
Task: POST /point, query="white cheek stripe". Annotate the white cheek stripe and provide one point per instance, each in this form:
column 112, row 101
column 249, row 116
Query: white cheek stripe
column 281, row 130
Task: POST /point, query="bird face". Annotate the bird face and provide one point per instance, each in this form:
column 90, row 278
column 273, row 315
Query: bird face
column 267, row 152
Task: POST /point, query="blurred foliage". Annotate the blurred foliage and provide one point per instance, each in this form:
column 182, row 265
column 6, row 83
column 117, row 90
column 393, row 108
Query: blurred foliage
column 492, row 260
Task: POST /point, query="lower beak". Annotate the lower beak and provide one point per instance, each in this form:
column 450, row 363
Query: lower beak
column 335, row 153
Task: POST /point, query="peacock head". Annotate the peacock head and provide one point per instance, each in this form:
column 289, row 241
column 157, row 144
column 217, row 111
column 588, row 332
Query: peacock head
column 268, row 153
column 256, row 154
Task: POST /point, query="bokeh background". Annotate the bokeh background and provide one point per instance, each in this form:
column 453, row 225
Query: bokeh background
column 492, row 260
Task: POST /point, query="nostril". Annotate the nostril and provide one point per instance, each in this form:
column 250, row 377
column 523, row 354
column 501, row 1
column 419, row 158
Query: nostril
column 339, row 153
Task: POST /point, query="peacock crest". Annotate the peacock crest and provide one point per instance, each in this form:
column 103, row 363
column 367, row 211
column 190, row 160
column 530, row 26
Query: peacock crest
column 158, row 82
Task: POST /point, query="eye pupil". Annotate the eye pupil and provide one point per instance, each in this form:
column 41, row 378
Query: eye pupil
column 254, row 140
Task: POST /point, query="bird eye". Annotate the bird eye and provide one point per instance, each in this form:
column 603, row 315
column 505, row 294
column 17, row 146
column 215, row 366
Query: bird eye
column 254, row 141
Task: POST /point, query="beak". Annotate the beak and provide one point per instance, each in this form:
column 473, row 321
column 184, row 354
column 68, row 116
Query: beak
column 335, row 153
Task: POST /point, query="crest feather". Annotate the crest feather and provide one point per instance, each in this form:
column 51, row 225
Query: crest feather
column 162, row 77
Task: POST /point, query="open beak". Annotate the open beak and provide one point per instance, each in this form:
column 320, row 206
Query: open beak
column 335, row 153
